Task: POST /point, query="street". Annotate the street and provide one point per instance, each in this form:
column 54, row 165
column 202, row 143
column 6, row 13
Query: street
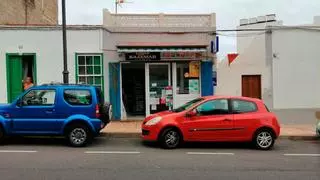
column 128, row 158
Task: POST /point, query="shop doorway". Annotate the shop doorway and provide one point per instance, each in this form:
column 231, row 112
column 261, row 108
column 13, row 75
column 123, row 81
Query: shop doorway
column 133, row 89
column 251, row 86
column 18, row 68
column 158, row 81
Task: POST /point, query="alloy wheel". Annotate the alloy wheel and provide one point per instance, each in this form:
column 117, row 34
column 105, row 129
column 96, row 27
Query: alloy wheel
column 78, row 136
column 264, row 139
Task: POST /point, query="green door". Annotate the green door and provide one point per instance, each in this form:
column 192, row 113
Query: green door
column 14, row 77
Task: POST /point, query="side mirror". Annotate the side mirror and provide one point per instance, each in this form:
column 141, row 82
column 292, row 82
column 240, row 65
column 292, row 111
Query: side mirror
column 19, row 103
column 191, row 113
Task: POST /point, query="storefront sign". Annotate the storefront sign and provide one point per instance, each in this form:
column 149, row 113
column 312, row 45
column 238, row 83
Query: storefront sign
column 143, row 56
column 182, row 55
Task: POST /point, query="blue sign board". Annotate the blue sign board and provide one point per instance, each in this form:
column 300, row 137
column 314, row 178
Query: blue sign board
column 214, row 45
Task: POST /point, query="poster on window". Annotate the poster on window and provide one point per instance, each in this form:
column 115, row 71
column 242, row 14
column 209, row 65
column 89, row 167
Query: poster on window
column 193, row 86
column 194, row 69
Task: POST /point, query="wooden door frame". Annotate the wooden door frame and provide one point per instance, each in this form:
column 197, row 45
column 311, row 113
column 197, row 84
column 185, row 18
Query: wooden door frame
column 8, row 55
column 254, row 75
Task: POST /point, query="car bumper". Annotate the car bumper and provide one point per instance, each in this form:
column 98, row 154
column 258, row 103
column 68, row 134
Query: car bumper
column 150, row 133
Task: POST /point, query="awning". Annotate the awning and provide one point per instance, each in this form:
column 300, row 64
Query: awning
column 187, row 49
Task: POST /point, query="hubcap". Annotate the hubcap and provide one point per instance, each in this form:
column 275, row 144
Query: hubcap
column 78, row 136
column 172, row 138
column 264, row 139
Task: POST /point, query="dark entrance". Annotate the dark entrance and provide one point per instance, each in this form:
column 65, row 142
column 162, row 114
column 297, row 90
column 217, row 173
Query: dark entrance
column 18, row 68
column 133, row 88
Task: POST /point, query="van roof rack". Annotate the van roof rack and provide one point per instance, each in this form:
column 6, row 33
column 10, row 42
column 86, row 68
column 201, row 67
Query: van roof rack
column 63, row 84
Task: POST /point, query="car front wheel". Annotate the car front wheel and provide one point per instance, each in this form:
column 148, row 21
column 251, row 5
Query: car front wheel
column 264, row 139
column 78, row 135
column 170, row 138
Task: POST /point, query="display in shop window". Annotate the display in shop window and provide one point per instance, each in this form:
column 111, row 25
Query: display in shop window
column 193, row 86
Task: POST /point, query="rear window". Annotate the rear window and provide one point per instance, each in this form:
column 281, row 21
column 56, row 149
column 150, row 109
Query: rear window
column 78, row 97
column 242, row 106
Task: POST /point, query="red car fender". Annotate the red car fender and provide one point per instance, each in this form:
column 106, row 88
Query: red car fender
column 171, row 124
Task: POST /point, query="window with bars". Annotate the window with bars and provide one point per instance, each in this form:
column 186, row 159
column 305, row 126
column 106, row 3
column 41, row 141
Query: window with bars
column 90, row 70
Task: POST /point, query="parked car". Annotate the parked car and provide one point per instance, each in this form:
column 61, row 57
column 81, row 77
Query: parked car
column 214, row 119
column 77, row 112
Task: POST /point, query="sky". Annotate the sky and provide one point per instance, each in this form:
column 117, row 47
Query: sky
column 228, row 12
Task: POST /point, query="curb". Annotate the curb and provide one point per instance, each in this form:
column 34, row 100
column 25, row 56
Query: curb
column 300, row 138
column 138, row 135
column 120, row 135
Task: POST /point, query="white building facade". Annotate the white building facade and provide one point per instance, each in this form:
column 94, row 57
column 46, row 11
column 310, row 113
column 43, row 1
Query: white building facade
column 277, row 63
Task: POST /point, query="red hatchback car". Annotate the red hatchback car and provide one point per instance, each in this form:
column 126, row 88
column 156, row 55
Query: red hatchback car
column 214, row 119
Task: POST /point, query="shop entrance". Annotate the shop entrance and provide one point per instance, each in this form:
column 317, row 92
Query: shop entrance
column 18, row 68
column 133, row 89
column 158, row 86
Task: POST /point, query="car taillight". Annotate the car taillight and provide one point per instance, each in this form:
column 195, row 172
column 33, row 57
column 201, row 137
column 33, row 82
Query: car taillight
column 97, row 111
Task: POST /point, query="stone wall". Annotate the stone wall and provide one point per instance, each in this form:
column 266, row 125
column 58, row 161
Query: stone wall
column 29, row 12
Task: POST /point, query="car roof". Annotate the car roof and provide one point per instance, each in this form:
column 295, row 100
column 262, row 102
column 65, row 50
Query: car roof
column 233, row 97
column 59, row 85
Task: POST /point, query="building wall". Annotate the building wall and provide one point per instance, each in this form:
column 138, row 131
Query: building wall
column 252, row 48
column 296, row 68
column 29, row 12
column 47, row 44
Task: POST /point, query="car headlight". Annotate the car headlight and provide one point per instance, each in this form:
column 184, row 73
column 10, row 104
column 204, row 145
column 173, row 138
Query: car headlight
column 153, row 121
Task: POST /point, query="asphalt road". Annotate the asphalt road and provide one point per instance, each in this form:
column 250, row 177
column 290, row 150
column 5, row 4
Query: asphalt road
column 129, row 159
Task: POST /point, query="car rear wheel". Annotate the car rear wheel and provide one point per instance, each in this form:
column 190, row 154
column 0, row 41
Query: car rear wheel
column 264, row 139
column 2, row 135
column 78, row 135
column 170, row 138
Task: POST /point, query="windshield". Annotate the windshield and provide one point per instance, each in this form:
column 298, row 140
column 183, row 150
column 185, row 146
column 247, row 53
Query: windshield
column 187, row 105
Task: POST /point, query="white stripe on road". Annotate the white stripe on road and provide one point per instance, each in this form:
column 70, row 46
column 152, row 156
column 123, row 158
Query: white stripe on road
column 112, row 152
column 16, row 151
column 208, row 153
column 302, row 155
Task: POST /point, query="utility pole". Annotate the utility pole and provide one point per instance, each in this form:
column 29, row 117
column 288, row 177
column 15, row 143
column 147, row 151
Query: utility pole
column 116, row 1
column 64, row 42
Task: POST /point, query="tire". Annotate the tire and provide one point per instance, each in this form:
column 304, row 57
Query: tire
column 264, row 139
column 78, row 135
column 2, row 135
column 106, row 112
column 170, row 138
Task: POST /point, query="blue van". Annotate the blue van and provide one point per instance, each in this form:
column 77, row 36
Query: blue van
column 77, row 112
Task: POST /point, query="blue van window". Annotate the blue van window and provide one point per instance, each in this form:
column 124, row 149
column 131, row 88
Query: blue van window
column 39, row 98
column 78, row 97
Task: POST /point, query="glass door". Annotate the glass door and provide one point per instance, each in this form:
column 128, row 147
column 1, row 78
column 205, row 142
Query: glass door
column 158, row 86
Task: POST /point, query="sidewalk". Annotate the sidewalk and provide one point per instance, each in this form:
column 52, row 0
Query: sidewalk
column 133, row 129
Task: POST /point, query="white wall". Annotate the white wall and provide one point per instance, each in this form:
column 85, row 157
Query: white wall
column 253, row 48
column 47, row 44
column 296, row 68
column 250, row 61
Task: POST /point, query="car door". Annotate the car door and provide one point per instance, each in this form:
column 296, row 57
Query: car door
column 212, row 121
column 246, row 117
column 35, row 112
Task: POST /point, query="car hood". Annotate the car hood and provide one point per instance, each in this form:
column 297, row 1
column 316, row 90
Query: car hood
column 162, row 114
column 4, row 106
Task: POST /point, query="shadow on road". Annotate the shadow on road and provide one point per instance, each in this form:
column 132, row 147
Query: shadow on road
column 205, row 145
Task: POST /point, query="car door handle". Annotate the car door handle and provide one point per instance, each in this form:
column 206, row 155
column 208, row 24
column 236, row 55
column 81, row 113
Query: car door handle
column 49, row 111
column 227, row 119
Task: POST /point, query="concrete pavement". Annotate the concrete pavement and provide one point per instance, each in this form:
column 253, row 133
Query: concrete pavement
column 127, row 158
